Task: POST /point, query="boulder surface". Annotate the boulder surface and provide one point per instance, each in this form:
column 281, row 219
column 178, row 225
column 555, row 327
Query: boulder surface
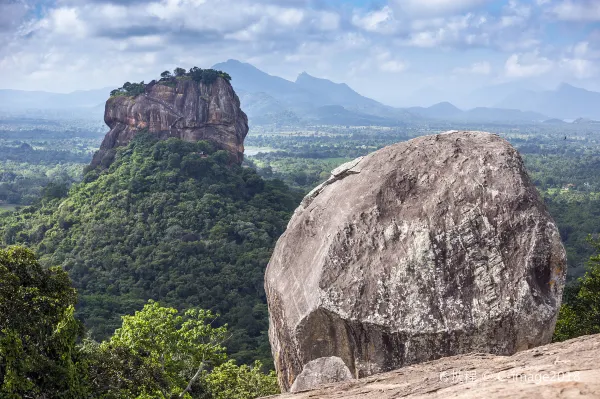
column 188, row 111
column 321, row 371
column 424, row 249
column 562, row 370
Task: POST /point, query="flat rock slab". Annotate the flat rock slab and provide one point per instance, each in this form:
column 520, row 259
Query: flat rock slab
column 568, row 369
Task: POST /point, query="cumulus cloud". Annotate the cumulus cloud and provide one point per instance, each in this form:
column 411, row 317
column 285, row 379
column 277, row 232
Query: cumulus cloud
column 527, row 65
column 379, row 21
column 577, row 10
column 98, row 40
column 387, row 63
column 581, row 60
column 436, row 7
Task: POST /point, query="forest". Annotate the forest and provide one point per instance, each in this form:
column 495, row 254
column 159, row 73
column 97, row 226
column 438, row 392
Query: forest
column 158, row 352
column 169, row 221
column 171, row 233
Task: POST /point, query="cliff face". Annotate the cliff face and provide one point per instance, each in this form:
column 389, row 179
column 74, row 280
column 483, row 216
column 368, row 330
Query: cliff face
column 189, row 111
column 429, row 248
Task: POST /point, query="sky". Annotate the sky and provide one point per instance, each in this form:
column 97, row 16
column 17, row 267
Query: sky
column 396, row 51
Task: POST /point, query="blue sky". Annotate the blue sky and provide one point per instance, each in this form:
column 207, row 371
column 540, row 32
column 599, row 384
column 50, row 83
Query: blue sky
column 401, row 52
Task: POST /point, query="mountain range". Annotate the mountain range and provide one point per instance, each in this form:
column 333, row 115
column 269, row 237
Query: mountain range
column 269, row 99
column 565, row 102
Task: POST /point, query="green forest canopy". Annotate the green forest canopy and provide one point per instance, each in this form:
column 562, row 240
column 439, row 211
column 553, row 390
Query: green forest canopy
column 170, row 221
column 207, row 76
column 157, row 353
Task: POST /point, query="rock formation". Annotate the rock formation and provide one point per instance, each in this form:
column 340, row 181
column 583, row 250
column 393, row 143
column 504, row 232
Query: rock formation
column 189, row 111
column 321, row 371
column 429, row 248
column 563, row 370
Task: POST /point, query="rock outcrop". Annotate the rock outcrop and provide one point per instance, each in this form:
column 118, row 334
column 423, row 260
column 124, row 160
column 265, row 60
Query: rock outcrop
column 563, row 370
column 429, row 248
column 321, row 371
column 189, row 111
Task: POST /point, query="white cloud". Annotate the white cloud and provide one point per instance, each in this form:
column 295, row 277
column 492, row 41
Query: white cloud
column 66, row 21
column 465, row 30
column 393, row 66
column 527, row 65
column 579, row 10
column 581, row 60
column 379, row 21
column 579, row 67
column 435, row 7
column 477, row 68
column 381, row 59
column 104, row 40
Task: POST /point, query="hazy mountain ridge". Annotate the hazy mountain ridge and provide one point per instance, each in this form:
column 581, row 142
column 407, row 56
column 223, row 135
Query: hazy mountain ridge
column 449, row 112
column 269, row 99
column 305, row 98
column 566, row 101
column 18, row 99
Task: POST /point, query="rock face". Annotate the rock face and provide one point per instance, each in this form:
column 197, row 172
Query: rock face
column 563, row 370
column 190, row 111
column 429, row 248
column 321, row 371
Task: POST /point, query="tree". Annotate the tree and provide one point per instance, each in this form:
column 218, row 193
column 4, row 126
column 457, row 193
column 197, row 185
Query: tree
column 229, row 381
column 37, row 328
column 166, row 75
column 179, row 72
column 580, row 314
column 183, row 346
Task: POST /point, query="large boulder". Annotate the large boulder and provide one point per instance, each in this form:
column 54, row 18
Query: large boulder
column 424, row 249
column 187, row 110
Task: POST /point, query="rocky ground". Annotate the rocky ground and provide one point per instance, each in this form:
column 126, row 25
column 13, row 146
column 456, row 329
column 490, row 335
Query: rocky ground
column 568, row 369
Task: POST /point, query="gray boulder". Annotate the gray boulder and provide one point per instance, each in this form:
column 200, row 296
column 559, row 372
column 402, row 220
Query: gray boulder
column 324, row 370
column 424, row 249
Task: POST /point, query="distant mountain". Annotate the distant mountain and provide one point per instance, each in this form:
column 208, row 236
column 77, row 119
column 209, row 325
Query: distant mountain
column 342, row 94
column 585, row 121
column 484, row 114
column 564, row 102
column 555, row 121
column 21, row 99
column 492, row 96
column 249, row 79
column 338, row 115
column 305, row 98
column 425, row 97
column 443, row 110
column 448, row 112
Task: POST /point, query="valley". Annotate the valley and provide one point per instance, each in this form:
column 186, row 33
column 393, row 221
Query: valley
column 181, row 223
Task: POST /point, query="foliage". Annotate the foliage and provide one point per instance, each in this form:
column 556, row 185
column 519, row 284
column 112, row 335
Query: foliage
column 180, row 345
column 37, row 328
column 229, row 381
column 157, row 353
column 169, row 221
column 110, row 372
column 129, row 89
column 207, row 76
column 580, row 312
